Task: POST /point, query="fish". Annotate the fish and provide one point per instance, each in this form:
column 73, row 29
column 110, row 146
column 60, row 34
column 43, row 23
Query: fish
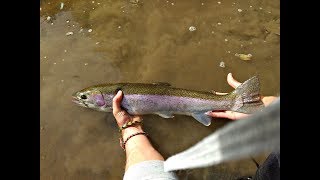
column 165, row 100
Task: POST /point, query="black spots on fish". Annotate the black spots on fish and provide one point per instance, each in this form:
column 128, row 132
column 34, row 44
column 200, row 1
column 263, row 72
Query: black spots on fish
column 83, row 96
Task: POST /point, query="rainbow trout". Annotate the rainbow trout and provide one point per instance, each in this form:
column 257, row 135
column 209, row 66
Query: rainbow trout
column 164, row 100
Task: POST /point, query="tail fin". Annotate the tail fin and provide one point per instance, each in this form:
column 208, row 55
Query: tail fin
column 247, row 97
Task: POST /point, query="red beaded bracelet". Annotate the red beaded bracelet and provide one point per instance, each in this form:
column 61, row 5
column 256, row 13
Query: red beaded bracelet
column 123, row 143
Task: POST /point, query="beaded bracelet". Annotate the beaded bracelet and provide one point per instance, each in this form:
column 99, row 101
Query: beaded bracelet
column 130, row 124
column 123, row 143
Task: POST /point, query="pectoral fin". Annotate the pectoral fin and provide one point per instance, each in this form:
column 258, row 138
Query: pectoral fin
column 202, row 118
column 165, row 114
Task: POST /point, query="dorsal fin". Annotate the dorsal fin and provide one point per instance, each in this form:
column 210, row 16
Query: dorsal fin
column 161, row 83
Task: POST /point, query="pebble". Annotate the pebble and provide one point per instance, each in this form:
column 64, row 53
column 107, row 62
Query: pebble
column 192, row 28
column 222, row 64
column 245, row 57
column 69, row 33
column 61, row 5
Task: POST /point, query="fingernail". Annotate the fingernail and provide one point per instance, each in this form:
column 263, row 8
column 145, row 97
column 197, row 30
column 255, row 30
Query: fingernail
column 207, row 113
column 119, row 92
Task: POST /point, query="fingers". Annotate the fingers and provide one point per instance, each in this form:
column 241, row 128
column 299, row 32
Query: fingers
column 227, row 114
column 116, row 103
column 232, row 82
column 220, row 93
column 121, row 115
column 267, row 100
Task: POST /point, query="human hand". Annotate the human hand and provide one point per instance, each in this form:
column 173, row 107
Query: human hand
column 236, row 115
column 121, row 115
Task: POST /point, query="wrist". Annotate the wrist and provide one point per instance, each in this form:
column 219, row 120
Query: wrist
column 131, row 130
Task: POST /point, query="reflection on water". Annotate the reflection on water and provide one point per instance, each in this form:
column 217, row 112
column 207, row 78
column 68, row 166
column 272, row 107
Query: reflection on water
column 145, row 41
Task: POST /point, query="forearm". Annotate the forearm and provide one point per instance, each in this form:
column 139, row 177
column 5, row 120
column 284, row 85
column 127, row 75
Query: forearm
column 138, row 148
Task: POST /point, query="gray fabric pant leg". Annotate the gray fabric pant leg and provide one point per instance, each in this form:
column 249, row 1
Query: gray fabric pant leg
column 149, row 170
column 270, row 169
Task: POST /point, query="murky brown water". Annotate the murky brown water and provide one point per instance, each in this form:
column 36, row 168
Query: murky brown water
column 148, row 41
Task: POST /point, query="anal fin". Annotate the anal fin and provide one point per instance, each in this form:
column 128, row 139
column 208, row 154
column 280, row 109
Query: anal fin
column 165, row 114
column 202, row 118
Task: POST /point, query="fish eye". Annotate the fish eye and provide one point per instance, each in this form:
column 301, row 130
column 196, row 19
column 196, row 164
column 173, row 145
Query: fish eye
column 83, row 97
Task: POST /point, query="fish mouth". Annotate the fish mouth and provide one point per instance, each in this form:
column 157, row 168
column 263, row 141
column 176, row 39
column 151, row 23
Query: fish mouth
column 79, row 102
column 75, row 100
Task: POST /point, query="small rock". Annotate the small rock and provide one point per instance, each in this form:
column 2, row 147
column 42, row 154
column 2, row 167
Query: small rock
column 54, row 63
column 202, row 4
column 172, row 4
column 97, row 42
column 239, row 10
column 62, row 80
column 85, row 64
column 119, row 27
column 192, row 28
column 51, row 23
column 98, row 3
column 226, row 40
column 245, row 57
column 89, row 30
column 219, row 2
column 48, row 18
column 68, row 21
column 222, row 64
column 65, row 50
column 61, row 5
column 219, row 23
column 69, row 33
column 260, row 8
column 250, row 6
column 92, row 1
